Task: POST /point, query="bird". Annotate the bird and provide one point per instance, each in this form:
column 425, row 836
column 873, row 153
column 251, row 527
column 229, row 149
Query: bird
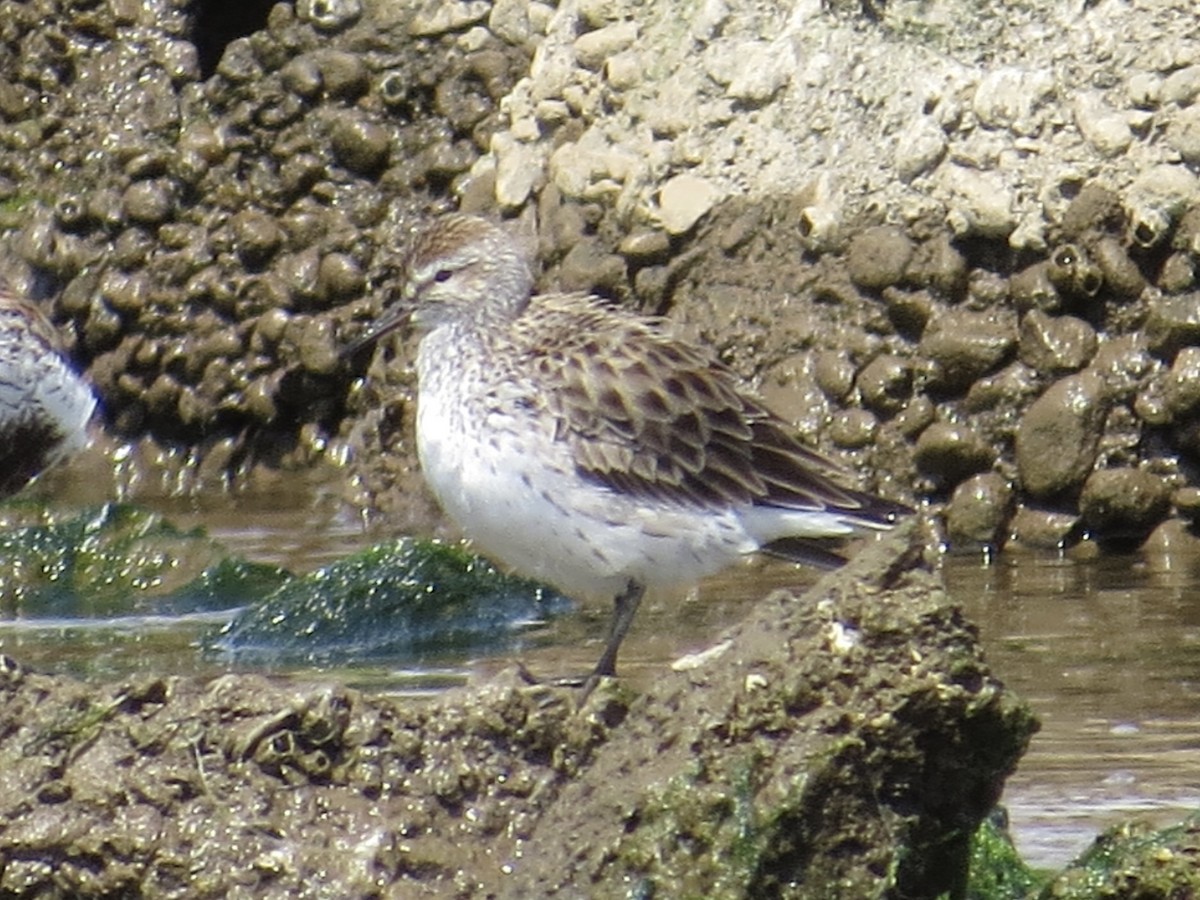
column 45, row 404
column 593, row 448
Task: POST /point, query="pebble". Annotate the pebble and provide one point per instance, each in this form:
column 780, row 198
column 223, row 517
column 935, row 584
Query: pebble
column 878, row 256
column 1009, row 97
column 1173, row 322
column 1045, row 529
column 1181, row 386
column 438, row 18
column 765, row 67
column 1054, row 345
column 853, row 429
column 1096, row 208
column 979, row 511
column 594, row 47
column 1123, row 503
column 360, row 144
column 683, row 201
column 1031, row 288
column 981, row 202
column 1059, row 434
column 509, row 21
column 885, row 384
column 834, row 374
column 919, row 148
column 946, row 453
column 519, row 169
column 1183, row 134
column 1105, row 129
column 963, row 345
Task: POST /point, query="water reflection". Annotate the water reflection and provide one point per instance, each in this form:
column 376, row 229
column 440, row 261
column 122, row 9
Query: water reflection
column 1107, row 650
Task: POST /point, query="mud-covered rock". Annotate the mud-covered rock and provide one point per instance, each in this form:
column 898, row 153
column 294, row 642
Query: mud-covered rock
column 1059, row 434
column 1124, row 504
column 1056, row 345
column 963, row 345
column 879, row 257
column 811, row 718
column 947, row 453
column 979, row 511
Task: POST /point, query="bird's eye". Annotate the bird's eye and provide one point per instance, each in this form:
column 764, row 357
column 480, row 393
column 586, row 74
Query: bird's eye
column 442, row 275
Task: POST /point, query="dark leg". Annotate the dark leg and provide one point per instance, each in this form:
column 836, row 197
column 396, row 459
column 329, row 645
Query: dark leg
column 625, row 606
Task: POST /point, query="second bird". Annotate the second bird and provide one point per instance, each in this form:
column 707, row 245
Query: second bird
column 590, row 448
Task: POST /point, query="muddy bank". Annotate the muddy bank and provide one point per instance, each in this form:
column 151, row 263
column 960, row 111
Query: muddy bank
column 834, row 745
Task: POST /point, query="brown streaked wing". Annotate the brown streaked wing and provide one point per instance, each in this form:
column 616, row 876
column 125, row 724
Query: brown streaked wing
column 653, row 416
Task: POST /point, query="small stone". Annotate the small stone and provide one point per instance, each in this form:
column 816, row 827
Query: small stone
column 1181, row 387
column 834, row 374
column 519, row 170
column 1010, row 97
column 684, row 200
column 317, row 347
column 1178, row 273
column 1144, row 90
column 1031, row 288
column 1124, row 503
column 1174, row 322
column 878, row 257
column 1043, row 529
column 978, row 512
column 981, row 202
column 885, row 384
column 344, row 75
column 589, row 266
column 438, row 17
column 939, row 265
column 1055, row 345
column 646, row 244
column 1183, row 134
column 1106, row 130
column 1095, row 208
column 361, row 145
column 509, row 21
column 963, row 345
column 1059, row 434
column 947, row 453
column 148, row 202
column 594, row 47
column 919, row 148
column 853, row 429
column 1122, row 277
column 256, row 236
column 765, row 67
column 1181, row 87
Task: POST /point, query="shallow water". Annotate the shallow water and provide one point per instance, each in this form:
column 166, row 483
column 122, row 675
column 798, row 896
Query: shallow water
column 1106, row 649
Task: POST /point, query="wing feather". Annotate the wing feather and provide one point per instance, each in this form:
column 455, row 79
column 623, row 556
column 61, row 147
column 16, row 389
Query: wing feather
column 649, row 414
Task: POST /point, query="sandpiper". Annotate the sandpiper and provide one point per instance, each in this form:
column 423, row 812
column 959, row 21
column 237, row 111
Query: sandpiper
column 45, row 404
column 591, row 448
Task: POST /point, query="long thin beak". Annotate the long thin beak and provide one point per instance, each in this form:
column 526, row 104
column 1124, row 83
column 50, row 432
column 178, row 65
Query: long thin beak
column 393, row 317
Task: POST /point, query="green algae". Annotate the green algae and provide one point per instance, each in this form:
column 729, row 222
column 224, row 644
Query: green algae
column 407, row 598
column 114, row 560
column 1134, row 861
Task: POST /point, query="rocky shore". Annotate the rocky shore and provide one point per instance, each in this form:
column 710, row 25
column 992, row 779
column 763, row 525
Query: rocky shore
column 956, row 243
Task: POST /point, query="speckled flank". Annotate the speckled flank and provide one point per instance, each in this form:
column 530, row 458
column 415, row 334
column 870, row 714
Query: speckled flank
column 44, row 405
